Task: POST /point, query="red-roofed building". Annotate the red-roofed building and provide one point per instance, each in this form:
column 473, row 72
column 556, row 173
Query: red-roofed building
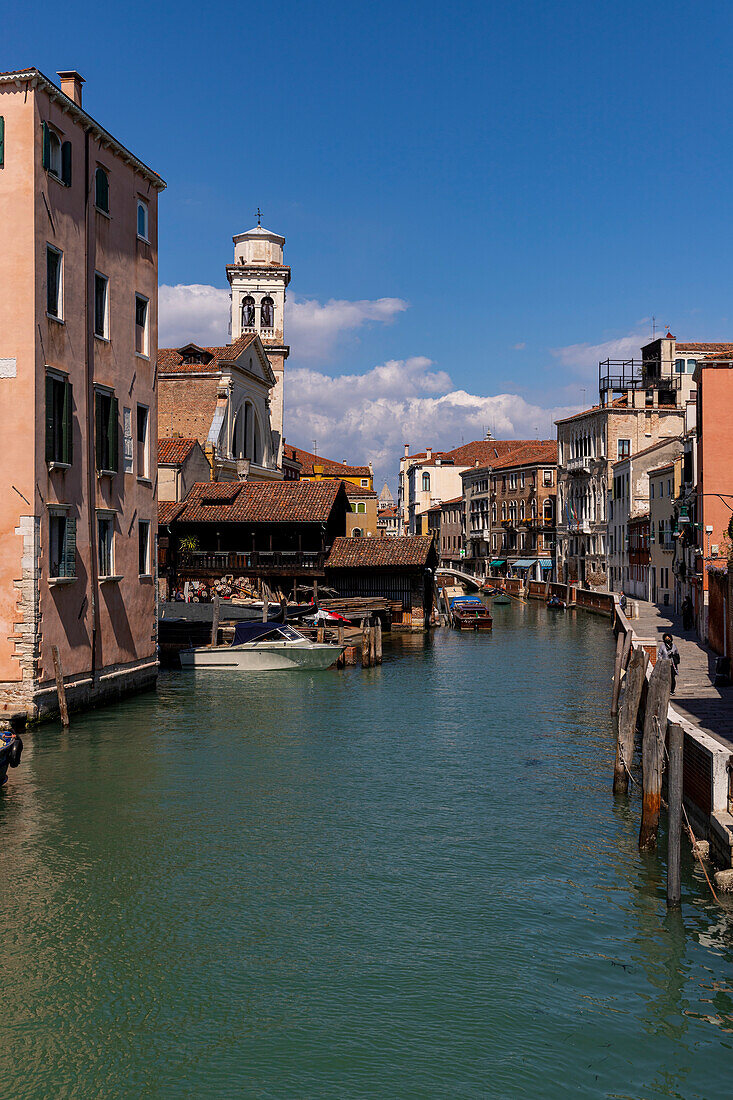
column 181, row 463
column 317, row 468
column 430, row 477
column 400, row 569
column 281, row 530
column 510, row 512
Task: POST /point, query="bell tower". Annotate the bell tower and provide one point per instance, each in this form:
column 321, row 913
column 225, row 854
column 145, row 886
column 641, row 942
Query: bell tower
column 258, row 278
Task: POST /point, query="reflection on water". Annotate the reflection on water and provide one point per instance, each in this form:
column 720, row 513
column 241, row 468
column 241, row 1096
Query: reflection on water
column 409, row 881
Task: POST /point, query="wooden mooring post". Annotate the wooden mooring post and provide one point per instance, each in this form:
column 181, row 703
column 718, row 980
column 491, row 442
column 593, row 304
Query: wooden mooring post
column 623, row 649
column 265, row 609
column 215, row 621
column 628, row 713
column 366, row 645
column 378, row 640
column 60, row 688
column 652, row 753
column 674, row 817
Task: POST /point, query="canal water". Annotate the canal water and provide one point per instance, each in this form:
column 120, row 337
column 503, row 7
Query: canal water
column 405, row 882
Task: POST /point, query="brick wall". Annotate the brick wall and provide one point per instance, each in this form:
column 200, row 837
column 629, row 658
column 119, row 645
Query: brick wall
column 186, row 407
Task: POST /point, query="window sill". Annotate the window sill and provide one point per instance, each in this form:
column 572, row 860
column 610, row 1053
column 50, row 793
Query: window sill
column 142, row 355
column 105, row 213
column 143, row 240
column 112, row 579
column 53, row 317
column 53, row 176
column 58, row 465
column 102, row 339
column 146, row 577
column 106, row 473
column 54, row 582
column 145, row 481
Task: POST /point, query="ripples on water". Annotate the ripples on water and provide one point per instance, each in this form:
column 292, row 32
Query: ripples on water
column 406, row 882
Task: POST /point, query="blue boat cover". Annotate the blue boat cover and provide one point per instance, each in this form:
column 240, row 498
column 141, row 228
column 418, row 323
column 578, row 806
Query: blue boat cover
column 470, row 600
column 250, row 632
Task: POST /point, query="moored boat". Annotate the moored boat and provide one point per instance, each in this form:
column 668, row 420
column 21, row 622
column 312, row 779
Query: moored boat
column 264, row 647
column 469, row 613
column 11, row 749
column 556, row 604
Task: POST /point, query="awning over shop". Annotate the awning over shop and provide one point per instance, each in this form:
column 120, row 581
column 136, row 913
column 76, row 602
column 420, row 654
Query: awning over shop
column 545, row 563
column 524, row 563
column 497, row 561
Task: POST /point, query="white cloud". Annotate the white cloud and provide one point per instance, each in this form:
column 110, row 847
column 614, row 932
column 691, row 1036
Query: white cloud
column 368, row 417
column 197, row 313
column 519, row 347
column 314, row 329
column 586, row 357
column 200, row 313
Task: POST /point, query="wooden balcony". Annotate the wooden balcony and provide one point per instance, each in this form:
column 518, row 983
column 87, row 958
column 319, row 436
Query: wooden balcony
column 252, row 563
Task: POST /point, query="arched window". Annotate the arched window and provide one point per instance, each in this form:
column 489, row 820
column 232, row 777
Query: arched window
column 521, row 510
column 503, row 510
column 238, row 435
column 356, row 533
column 248, row 312
column 493, row 512
column 547, row 511
column 101, row 190
column 267, row 312
column 426, row 483
column 256, row 445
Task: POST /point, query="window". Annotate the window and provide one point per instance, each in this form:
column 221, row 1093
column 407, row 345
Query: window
column 679, row 366
column 105, row 419
column 101, row 190
column 522, row 479
column 624, row 448
column 59, row 422
column 267, row 312
column 426, row 483
column 2, row 141
column 62, row 545
column 101, row 320
column 143, row 419
column 143, row 547
column 248, row 312
column 56, row 155
column 512, row 481
column 127, row 461
column 54, row 282
column 141, row 324
column 691, row 364
column 142, row 220
column 547, row 477
column 365, row 483
column 105, row 545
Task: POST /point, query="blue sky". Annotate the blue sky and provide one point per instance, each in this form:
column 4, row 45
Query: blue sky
column 523, row 178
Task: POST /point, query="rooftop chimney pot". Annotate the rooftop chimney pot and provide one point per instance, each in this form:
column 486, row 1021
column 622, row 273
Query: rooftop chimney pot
column 429, row 453
column 71, row 82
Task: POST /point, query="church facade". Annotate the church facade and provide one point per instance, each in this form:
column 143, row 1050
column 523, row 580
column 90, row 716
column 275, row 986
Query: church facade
column 230, row 398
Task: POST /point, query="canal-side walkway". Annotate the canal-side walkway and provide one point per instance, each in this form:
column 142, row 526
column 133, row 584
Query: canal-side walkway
column 708, row 707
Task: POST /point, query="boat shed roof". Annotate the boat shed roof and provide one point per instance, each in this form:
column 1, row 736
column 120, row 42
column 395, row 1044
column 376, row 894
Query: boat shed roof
column 375, row 553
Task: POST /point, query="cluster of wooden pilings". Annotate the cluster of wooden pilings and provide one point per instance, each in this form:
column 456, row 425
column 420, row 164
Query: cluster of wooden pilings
column 641, row 700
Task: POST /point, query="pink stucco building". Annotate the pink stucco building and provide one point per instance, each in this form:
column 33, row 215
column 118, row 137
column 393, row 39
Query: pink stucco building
column 78, row 417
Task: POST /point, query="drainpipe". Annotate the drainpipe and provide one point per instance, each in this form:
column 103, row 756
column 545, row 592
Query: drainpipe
column 91, row 449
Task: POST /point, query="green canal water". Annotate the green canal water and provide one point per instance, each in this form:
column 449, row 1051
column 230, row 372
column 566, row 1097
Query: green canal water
column 405, row 882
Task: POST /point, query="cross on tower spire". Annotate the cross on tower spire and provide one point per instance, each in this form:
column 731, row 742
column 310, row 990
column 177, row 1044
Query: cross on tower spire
column 259, row 216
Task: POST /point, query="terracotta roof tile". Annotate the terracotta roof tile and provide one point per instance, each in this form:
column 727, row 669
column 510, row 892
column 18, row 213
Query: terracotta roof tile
column 174, row 451
column 168, row 510
column 701, row 348
column 408, row 550
column 330, row 466
column 170, row 360
column 356, row 491
column 261, row 502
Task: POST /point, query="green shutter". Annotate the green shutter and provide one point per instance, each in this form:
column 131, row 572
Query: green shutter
column 70, row 548
column 66, row 163
column 68, row 429
column 2, row 141
column 49, row 419
column 99, row 437
column 46, row 145
column 113, row 435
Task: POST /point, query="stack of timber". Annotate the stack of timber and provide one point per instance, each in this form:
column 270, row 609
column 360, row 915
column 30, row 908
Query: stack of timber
column 356, row 608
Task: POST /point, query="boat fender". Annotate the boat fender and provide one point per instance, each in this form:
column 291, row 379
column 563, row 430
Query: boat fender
column 15, row 752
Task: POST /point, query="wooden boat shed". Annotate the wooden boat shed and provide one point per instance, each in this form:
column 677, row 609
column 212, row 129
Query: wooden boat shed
column 400, row 569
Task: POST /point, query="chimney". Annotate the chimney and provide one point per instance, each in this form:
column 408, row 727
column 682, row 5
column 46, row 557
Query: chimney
column 71, row 82
column 429, row 454
column 407, row 449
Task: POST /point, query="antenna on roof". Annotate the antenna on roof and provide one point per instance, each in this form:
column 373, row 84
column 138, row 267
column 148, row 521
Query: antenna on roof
column 315, row 447
column 654, row 327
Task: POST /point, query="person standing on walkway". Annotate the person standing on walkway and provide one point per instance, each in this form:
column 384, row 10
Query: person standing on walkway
column 687, row 613
column 668, row 651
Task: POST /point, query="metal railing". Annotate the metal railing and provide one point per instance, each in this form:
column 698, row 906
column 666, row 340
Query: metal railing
column 241, row 561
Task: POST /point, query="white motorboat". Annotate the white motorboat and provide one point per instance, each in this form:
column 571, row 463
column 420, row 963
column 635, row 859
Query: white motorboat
column 264, row 647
